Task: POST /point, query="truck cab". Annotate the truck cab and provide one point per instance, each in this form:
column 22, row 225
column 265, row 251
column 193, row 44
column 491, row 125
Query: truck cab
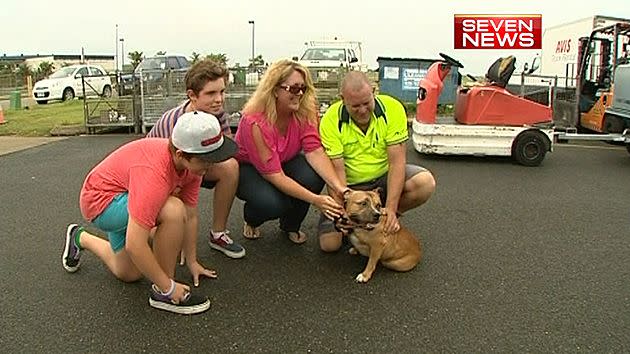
column 328, row 61
column 329, row 57
column 620, row 106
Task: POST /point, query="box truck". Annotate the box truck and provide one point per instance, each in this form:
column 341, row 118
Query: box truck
column 560, row 47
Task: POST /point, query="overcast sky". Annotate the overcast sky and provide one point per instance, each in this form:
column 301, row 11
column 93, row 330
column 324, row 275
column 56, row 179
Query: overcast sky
column 393, row 28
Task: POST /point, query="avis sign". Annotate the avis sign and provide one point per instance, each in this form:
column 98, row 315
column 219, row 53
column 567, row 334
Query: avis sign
column 498, row 31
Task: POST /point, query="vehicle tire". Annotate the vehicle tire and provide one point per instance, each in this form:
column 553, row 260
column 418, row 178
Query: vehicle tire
column 613, row 124
column 42, row 102
column 68, row 94
column 107, row 91
column 529, row 148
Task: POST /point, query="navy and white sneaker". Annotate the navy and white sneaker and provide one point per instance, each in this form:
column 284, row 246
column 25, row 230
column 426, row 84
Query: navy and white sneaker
column 192, row 304
column 223, row 243
column 71, row 258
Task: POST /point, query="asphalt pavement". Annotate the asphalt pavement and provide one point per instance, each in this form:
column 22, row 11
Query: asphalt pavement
column 516, row 259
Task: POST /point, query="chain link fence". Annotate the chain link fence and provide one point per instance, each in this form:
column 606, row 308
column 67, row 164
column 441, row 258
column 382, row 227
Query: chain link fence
column 139, row 99
column 10, row 83
column 159, row 91
column 108, row 110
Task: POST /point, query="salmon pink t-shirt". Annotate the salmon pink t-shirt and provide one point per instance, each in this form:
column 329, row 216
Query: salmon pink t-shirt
column 145, row 169
column 299, row 136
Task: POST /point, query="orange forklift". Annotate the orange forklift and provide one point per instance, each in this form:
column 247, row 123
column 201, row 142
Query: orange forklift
column 599, row 56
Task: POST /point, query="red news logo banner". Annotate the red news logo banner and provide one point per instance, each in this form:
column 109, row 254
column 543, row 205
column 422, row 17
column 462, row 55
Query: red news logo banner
column 498, row 31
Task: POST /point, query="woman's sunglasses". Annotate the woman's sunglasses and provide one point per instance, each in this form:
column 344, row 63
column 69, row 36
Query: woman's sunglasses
column 294, row 89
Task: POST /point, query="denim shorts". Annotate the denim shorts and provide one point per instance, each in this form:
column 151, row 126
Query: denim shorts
column 113, row 221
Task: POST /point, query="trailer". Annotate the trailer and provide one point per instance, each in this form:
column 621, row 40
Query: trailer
column 560, row 53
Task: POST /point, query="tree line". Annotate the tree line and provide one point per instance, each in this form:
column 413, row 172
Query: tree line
column 19, row 72
column 136, row 58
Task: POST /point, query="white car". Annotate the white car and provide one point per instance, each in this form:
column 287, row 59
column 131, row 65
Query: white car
column 67, row 83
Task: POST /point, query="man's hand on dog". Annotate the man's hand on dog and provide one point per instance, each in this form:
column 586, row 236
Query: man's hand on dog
column 391, row 225
column 329, row 206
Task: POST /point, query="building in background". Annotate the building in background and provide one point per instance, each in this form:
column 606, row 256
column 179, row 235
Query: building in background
column 59, row 60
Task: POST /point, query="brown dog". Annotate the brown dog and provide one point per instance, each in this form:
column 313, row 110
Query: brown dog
column 400, row 251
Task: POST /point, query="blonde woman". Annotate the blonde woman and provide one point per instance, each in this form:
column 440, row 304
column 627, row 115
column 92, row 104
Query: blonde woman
column 283, row 167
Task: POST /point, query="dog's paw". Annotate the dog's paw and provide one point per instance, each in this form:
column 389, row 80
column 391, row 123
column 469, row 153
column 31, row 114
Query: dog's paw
column 361, row 278
column 353, row 251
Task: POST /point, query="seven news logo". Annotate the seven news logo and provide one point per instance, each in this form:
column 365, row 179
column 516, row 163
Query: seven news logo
column 498, row 31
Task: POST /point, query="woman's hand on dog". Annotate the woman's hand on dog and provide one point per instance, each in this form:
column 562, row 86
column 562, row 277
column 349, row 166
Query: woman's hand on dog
column 339, row 193
column 329, row 206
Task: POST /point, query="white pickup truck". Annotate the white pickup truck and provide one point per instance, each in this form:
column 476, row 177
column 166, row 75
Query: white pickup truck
column 328, row 61
column 332, row 54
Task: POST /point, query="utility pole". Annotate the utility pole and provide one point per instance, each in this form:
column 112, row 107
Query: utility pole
column 122, row 52
column 251, row 22
column 116, row 57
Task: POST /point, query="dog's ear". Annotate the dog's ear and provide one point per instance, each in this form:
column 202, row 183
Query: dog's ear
column 377, row 190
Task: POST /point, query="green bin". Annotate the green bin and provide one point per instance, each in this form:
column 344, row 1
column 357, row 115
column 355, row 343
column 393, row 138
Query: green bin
column 15, row 100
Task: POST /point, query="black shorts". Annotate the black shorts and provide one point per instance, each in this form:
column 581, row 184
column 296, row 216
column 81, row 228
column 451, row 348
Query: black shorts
column 208, row 184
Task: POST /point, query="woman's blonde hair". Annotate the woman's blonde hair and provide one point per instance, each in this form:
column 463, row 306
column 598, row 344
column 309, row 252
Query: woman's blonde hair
column 264, row 100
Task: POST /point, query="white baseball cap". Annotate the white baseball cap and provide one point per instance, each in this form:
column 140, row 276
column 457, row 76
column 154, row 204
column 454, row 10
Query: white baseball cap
column 200, row 133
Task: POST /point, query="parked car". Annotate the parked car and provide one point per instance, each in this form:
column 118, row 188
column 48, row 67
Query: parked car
column 67, row 83
column 151, row 70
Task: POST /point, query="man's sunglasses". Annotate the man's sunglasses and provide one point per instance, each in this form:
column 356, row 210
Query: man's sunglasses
column 295, row 89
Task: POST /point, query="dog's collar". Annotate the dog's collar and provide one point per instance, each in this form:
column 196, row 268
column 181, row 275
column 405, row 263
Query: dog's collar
column 364, row 226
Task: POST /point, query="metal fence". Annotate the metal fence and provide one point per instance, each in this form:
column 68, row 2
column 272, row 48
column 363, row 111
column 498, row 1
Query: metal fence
column 138, row 100
column 10, row 83
column 163, row 90
column 103, row 112
column 159, row 91
column 560, row 91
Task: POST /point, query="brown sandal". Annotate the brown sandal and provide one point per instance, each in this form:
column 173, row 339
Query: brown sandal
column 250, row 232
column 296, row 237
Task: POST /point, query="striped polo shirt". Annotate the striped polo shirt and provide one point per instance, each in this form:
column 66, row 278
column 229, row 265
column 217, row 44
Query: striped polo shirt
column 164, row 126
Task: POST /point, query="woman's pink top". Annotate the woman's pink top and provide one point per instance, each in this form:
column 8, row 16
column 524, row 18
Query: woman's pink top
column 299, row 136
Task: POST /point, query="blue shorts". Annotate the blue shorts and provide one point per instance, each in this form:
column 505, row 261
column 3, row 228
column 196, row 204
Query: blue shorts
column 113, row 221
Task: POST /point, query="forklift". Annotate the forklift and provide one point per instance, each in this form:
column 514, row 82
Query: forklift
column 599, row 57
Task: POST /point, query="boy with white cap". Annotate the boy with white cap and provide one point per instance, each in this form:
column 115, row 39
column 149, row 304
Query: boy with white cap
column 205, row 87
column 145, row 184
